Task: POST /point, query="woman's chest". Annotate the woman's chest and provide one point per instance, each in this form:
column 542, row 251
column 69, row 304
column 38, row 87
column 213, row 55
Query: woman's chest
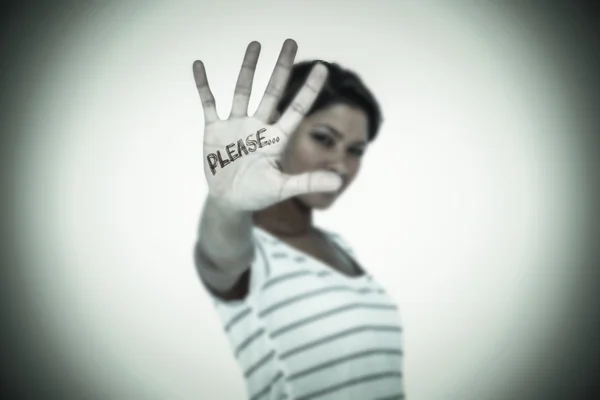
column 325, row 252
column 322, row 319
column 314, row 312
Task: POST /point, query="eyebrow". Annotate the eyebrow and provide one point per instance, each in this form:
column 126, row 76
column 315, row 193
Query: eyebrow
column 337, row 133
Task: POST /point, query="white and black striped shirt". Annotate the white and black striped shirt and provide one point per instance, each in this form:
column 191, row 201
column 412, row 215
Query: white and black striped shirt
column 306, row 331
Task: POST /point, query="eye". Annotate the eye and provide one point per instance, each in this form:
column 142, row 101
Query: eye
column 324, row 139
column 357, row 151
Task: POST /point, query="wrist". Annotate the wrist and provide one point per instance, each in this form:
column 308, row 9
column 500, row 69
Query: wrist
column 218, row 204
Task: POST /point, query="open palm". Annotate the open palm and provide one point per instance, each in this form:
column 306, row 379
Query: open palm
column 241, row 153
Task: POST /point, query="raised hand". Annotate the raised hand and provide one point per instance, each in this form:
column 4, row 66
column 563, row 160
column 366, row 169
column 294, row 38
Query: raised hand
column 241, row 153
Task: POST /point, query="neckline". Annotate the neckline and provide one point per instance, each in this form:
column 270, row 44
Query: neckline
column 318, row 262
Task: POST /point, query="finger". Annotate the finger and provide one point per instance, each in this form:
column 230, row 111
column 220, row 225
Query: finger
column 309, row 182
column 279, row 78
column 303, row 100
column 243, row 87
column 206, row 96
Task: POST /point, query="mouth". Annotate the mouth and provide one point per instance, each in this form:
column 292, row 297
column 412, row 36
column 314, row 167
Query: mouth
column 343, row 185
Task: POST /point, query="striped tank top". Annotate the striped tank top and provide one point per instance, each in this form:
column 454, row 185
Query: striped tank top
column 308, row 332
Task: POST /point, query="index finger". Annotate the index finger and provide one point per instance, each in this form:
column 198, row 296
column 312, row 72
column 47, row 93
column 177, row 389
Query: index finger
column 303, row 100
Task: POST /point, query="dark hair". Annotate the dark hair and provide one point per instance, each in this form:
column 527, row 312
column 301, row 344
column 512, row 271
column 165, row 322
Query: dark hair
column 342, row 86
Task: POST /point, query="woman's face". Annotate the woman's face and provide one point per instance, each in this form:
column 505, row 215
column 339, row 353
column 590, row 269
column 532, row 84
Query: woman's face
column 333, row 139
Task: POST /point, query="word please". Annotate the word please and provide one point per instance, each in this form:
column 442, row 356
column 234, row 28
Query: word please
column 215, row 159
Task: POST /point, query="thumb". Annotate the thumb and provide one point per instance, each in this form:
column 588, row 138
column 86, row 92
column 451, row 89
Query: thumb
column 310, row 182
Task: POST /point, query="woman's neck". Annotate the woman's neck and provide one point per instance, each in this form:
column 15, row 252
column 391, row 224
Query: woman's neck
column 289, row 218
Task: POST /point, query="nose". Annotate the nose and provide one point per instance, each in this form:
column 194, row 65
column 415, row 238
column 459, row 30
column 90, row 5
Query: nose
column 338, row 165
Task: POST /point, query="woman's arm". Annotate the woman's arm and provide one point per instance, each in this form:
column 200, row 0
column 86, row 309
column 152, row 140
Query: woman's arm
column 224, row 249
column 241, row 167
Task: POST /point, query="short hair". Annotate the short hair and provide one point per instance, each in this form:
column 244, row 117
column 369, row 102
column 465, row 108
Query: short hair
column 342, row 86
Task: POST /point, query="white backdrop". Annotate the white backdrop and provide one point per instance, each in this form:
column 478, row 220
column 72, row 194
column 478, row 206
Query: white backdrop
column 465, row 208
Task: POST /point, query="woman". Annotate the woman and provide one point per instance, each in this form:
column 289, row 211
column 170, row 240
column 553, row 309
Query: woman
column 304, row 320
